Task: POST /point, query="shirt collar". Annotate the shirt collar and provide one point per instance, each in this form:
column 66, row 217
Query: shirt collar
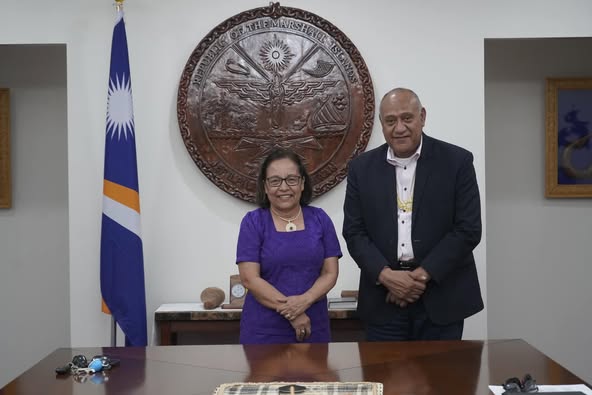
column 396, row 161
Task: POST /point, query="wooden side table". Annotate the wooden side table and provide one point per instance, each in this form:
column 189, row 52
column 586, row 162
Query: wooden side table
column 221, row 326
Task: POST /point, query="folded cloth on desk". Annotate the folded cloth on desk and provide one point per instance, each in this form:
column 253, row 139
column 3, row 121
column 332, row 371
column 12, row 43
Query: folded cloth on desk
column 312, row 388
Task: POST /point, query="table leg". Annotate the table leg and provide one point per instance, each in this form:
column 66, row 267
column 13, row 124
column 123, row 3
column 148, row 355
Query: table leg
column 166, row 336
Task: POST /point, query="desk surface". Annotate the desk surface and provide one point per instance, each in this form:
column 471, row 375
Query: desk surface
column 452, row 367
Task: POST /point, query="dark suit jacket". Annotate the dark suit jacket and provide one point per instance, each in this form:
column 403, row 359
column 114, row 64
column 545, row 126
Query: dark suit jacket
column 446, row 227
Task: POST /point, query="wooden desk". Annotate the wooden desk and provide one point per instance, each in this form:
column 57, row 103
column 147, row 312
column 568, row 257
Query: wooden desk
column 452, row 367
column 220, row 326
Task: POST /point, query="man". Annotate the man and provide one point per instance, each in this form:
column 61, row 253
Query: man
column 412, row 219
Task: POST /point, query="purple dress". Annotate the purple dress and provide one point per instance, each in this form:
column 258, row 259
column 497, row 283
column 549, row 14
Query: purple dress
column 291, row 262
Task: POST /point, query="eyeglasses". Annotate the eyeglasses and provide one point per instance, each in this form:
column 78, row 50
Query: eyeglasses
column 514, row 385
column 275, row 182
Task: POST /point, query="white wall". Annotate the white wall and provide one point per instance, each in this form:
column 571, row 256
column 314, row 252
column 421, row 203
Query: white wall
column 538, row 255
column 34, row 282
column 190, row 226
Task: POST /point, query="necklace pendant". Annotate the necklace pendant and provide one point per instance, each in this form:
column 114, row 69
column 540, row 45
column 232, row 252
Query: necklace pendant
column 291, row 227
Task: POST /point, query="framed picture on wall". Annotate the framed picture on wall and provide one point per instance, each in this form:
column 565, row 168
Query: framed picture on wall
column 5, row 183
column 568, row 121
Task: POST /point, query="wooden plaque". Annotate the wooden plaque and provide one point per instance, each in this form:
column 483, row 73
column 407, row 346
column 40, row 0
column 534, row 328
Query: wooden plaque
column 274, row 77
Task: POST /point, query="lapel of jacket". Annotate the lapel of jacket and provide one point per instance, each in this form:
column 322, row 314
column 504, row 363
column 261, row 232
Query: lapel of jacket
column 424, row 168
column 387, row 183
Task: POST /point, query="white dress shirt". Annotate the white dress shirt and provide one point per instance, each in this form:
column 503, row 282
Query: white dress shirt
column 405, row 169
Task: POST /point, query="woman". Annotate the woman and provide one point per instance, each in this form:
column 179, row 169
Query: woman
column 287, row 258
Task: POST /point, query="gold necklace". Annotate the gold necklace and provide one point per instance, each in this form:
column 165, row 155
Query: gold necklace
column 406, row 205
column 290, row 226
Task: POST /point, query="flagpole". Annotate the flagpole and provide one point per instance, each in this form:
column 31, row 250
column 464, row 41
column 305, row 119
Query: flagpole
column 118, row 7
column 113, row 332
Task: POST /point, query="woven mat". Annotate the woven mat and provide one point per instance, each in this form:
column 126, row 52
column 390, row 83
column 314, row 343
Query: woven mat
column 312, row 388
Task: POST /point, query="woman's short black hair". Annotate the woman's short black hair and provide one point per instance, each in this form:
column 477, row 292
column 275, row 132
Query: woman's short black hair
column 280, row 153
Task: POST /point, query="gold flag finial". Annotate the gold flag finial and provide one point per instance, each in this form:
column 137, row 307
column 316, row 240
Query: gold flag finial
column 119, row 4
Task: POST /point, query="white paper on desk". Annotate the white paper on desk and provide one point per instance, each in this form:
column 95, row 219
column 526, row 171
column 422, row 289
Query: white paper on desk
column 499, row 390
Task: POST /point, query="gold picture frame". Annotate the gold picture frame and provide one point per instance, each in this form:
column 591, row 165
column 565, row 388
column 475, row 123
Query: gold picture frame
column 568, row 119
column 5, row 181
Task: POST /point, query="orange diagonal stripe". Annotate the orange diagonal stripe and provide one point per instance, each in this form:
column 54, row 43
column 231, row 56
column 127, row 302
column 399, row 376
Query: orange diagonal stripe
column 104, row 307
column 121, row 194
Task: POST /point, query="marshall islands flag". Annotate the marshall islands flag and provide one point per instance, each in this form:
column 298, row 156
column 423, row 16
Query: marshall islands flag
column 122, row 262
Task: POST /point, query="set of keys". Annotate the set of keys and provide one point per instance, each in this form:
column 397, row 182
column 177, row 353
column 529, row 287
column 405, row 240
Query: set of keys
column 81, row 366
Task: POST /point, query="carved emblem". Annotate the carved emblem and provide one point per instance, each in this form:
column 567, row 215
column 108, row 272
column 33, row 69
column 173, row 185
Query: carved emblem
column 274, row 77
